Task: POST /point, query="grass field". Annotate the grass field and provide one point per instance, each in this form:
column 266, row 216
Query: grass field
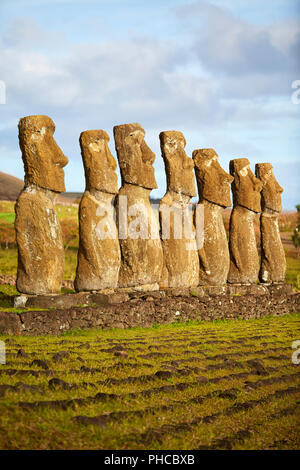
column 207, row 385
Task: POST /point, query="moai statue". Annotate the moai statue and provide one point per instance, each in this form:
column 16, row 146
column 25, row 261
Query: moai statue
column 214, row 193
column 99, row 256
column 273, row 262
column 41, row 254
column 141, row 250
column 181, row 263
column 244, row 259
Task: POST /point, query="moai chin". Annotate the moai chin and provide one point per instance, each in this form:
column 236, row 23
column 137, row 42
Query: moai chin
column 214, row 193
column 246, row 188
column 273, row 261
column 38, row 232
column 141, row 250
column 181, row 263
column 99, row 256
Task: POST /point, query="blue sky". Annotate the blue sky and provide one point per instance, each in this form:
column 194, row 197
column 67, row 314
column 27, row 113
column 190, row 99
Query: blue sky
column 219, row 71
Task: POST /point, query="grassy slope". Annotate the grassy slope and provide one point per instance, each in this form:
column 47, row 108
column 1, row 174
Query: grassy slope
column 204, row 402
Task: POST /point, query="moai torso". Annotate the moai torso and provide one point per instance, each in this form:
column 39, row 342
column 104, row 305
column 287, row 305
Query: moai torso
column 244, row 259
column 214, row 193
column 273, row 262
column 99, row 257
column 38, row 232
column 141, row 250
column 181, row 264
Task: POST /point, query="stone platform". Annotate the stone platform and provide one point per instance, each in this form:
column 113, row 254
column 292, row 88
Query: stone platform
column 124, row 295
column 144, row 309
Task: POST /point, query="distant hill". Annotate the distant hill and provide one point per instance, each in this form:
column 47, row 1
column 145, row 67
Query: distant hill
column 10, row 188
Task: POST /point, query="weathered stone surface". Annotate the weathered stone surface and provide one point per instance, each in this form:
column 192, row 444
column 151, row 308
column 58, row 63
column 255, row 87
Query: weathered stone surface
column 42, row 157
column 141, row 250
column 38, row 232
column 244, row 259
column 146, row 314
column 54, row 301
column 245, row 187
column 41, row 253
column 181, row 264
column 99, row 256
column 134, row 156
column 178, row 166
column 253, row 289
column 214, row 193
column 273, row 262
column 10, row 324
column 99, row 164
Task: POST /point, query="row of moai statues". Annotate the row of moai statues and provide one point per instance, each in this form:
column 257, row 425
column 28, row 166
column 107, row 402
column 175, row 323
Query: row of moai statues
column 153, row 261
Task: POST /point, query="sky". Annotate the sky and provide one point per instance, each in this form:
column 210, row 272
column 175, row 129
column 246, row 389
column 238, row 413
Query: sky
column 219, row 71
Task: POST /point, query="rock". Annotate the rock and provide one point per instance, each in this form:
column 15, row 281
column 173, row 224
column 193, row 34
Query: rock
column 141, row 250
column 19, row 301
column 273, row 262
column 60, row 355
column 214, row 193
column 21, row 353
column 38, row 232
column 244, row 259
column 121, row 354
column 99, row 251
column 59, row 383
column 257, row 367
column 181, row 264
column 40, row 363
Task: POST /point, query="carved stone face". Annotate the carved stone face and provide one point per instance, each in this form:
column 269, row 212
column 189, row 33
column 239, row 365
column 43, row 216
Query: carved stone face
column 134, row 156
column 178, row 166
column 213, row 182
column 271, row 191
column 246, row 187
column 43, row 159
column 99, row 164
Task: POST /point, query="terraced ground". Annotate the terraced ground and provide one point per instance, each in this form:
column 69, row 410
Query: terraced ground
column 206, row 385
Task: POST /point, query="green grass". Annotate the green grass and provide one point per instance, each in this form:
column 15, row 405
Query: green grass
column 293, row 272
column 8, row 217
column 198, row 381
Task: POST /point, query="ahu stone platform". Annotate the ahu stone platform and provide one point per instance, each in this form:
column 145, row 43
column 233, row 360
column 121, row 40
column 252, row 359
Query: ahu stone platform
column 144, row 309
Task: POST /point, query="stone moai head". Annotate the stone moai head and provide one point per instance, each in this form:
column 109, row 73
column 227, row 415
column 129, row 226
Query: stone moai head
column 99, row 164
column 246, row 187
column 213, row 182
column 179, row 167
column 271, row 191
column 43, row 159
column 134, row 156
